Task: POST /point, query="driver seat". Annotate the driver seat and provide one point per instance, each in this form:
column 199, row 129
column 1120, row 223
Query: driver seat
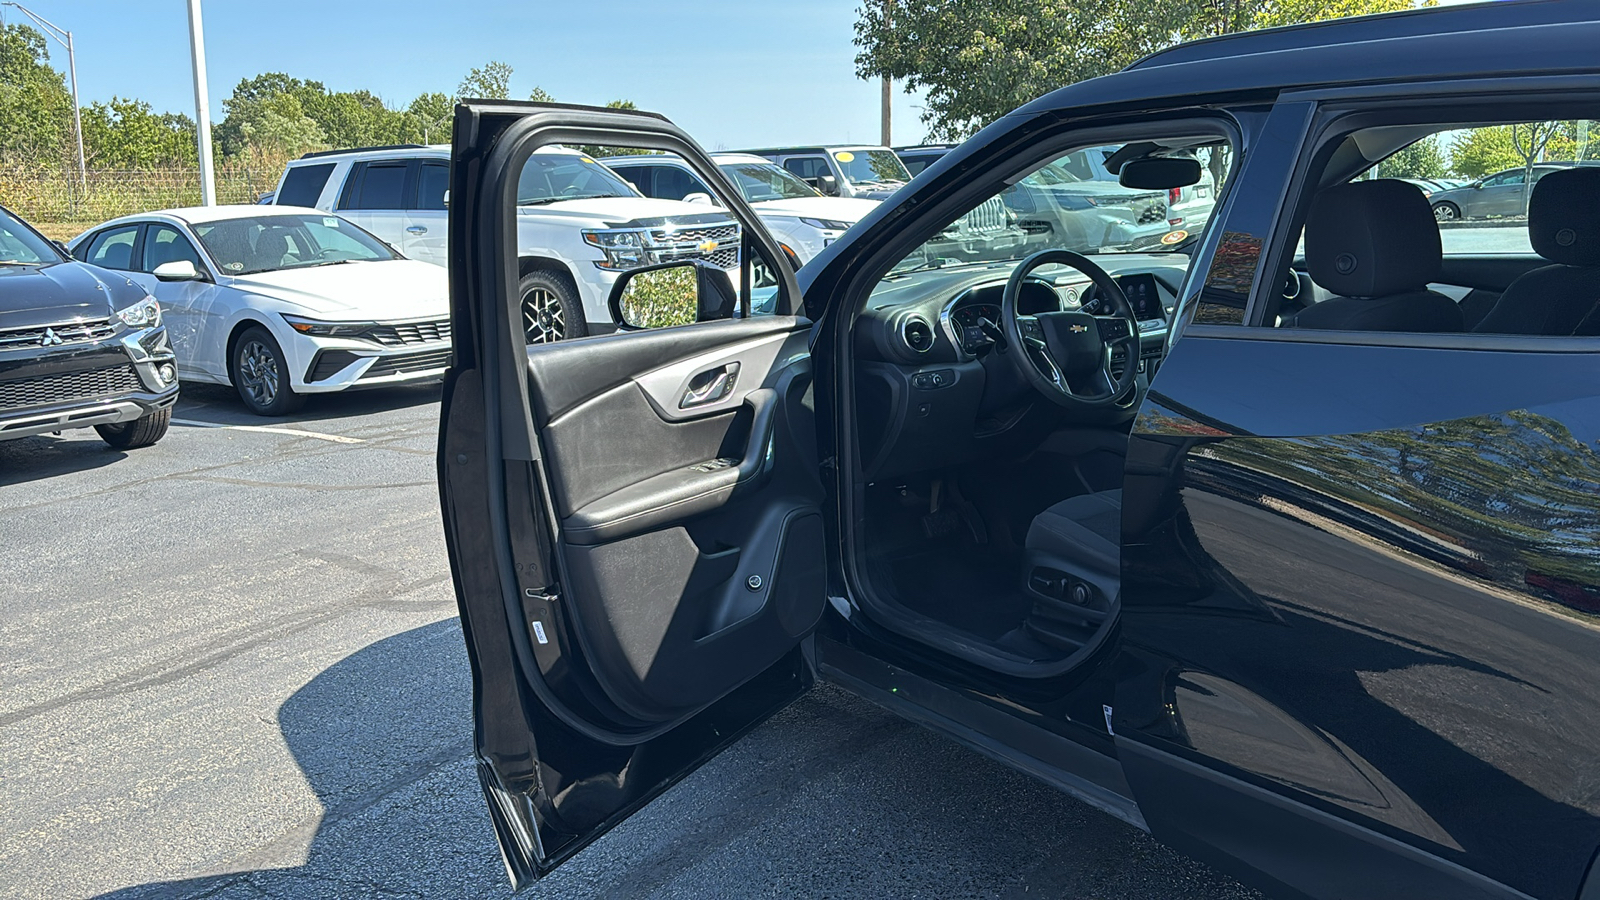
column 1072, row 566
column 1086, row 530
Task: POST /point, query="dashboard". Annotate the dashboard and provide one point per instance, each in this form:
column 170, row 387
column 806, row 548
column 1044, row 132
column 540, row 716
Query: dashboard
column 931, row 389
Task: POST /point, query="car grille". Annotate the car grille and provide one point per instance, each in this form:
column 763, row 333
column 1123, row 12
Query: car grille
column 404, row 333
column 66, row 332
column 988, row 218
column 684, row 243
column 1150, row 209
column 68, row 386
column 409, row 362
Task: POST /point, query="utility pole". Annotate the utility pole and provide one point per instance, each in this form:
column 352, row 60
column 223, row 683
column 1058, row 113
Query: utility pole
column 64, row 38
column 886, row 138
column 202, row 105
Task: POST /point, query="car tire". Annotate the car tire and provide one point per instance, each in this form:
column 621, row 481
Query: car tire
column 551, row 310
column 141, row 432
column 260, row 374
column 1446, row 212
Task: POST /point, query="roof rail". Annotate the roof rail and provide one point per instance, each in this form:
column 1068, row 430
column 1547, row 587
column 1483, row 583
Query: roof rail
column 317, row 153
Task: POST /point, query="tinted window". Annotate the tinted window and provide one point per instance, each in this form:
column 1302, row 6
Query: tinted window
column 303, row 185
column 164, row 244
column 113, row 248
column 380, row 186
column 551, row 177
column 673, row 183
column 915, row 164
column 640, row 177
column 807, row 167
column 433, row 179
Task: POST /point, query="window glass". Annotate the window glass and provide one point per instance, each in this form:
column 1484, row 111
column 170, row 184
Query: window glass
column 433, row 179
column 673, row 183
column 641, row 177
column 1477, row 198
column 871, row 167
column 269, row 242
column 381, row 186
column 807, row 167
column 303, row 185
column 19, row 244
column 552, row 176
column 113, row 248
column 765, row 181
column 164, row 244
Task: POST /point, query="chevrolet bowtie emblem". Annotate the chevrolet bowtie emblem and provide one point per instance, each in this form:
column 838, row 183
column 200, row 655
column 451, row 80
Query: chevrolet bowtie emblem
column 50, row 338
column 708, row 247
column 1078, row 329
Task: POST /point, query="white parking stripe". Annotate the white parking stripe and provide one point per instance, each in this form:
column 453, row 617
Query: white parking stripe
column 272, row 429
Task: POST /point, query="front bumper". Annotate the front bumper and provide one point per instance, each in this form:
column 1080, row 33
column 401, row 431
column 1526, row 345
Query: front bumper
column 49, row 389
column 346, row 365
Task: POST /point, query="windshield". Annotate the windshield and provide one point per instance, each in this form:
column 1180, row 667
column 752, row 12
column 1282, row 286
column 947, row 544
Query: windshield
column 551, row 177
column 868, row 166
column 266, row 243
column 1074, row 203
column 765, row 181
column 20, row 246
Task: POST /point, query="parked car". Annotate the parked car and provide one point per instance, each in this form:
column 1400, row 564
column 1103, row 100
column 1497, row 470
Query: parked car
column 1500, row 194
column 842, row 170
column 921, row 156
column 1300, row 576
column 800, row 216
column 281, row 302
column 79, row 346
column 578, row 224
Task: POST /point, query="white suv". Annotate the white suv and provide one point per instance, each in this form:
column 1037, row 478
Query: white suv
column 802, row 219
column 578, row 225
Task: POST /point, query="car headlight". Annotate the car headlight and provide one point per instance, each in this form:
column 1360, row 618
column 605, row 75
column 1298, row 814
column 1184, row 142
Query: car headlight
column 325, row 329
column 144, row 314
column 825, row 224
column 623, row 249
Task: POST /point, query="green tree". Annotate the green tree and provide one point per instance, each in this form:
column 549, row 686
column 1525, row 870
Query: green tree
column 430, row 118
column 540, row 95
column 492, row 81
column 1483, row 151
column 977, row 60
column 35, row 106
column 276, row 127
column 1424, row 159
column 126, row 134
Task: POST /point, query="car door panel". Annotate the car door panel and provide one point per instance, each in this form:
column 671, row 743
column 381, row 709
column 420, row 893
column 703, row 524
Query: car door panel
column 1358, row 595
column 633, row 520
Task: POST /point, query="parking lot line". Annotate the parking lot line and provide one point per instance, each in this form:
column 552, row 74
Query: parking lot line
column 272, row 429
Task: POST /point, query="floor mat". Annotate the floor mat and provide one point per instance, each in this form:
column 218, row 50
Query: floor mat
column 946, row 584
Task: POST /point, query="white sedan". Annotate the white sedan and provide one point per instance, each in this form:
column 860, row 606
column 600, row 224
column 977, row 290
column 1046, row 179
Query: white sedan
column 279, row 301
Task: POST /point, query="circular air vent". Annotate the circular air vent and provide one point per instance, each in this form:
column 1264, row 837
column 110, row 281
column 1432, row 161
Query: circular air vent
column 917, row 334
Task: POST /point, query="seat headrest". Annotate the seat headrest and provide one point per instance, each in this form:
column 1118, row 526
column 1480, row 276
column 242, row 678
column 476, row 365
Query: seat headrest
column 1564, row 216
column 1372, row 238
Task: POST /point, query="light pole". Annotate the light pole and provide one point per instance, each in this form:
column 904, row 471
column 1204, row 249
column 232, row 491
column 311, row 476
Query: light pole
column 202, row 105
column 64, row 38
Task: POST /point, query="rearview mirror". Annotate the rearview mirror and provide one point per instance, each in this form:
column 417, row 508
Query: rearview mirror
column 1159, row 173
column 828, row 185
column 176, row 270
column 669, row 294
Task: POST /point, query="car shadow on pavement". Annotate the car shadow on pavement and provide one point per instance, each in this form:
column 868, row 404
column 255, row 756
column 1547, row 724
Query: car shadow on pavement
column 220, row 405
column 45, row 456
column 384, row 739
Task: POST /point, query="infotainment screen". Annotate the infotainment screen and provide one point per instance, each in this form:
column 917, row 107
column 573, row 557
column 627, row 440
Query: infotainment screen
column 1142, row 296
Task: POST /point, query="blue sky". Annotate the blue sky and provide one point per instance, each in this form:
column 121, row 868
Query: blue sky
column 734, row 74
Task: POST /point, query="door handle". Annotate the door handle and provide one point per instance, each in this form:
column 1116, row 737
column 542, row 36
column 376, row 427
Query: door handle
column 710, row 386
column 417, row 229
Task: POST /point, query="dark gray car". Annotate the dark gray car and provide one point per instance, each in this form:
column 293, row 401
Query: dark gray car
column 1500, row 194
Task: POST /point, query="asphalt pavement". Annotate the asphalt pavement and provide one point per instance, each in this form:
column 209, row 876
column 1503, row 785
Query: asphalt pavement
column 232, row 668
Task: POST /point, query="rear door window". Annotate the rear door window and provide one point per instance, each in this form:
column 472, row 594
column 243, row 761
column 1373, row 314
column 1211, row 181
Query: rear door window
column 164, row 244
column 673, row 183
column 112, row 248
column 807, row 167
column 377, row 186
column 433, row 179
column 303, row 185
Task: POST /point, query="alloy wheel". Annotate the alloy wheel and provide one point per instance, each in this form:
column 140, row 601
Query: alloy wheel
column 543, row 319
column 1444, row 212
column 258, row 373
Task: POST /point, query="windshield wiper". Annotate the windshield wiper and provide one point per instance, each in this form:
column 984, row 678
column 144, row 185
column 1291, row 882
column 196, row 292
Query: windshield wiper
column 545, row 200
column 18, row 262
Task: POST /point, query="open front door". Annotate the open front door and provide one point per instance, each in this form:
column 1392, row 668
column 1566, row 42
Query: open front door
column 632, row 519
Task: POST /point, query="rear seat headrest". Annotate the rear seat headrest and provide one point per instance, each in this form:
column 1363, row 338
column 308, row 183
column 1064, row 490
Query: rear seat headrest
column 1564, row 217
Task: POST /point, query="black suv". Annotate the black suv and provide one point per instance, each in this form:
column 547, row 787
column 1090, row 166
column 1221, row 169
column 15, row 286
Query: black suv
column 1280, row 539
column 79, row 346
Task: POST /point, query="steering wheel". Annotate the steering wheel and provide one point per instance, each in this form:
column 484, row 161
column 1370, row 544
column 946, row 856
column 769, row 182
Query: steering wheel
column 1067, row 355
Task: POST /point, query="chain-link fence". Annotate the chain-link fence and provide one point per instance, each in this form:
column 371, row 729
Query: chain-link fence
column 50, row 198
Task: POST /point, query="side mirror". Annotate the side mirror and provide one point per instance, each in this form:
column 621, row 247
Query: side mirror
column 177, row 270
column 1476, row 185
column 62, row 246
column 1160, row 173
column 828, row 185
column 446, row 198
column 668, row 294
column 698, row 197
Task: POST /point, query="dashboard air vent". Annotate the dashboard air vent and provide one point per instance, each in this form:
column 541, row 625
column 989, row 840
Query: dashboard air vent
column 917, row 334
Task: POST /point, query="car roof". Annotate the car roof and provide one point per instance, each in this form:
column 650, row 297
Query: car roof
column 718, row 158
column 809, row 148
column 1438, row 43
column 199, row 215
column 440, row 151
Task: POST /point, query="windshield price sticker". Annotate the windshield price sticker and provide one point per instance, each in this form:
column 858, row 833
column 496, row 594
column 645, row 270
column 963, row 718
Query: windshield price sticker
column 844, row 156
